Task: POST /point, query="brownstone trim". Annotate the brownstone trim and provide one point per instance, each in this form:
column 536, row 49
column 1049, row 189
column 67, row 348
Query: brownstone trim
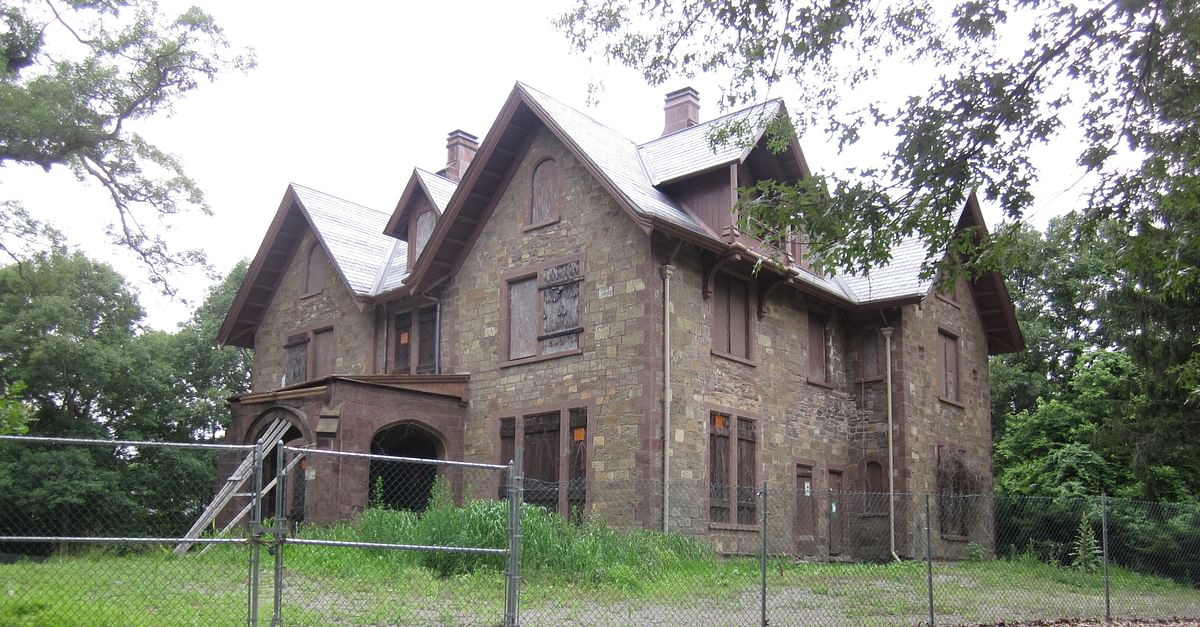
column 297, row 418
column 440, row 438
column 535, row 270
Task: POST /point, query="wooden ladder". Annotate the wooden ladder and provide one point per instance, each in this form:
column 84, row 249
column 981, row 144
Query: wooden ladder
column 239, row 477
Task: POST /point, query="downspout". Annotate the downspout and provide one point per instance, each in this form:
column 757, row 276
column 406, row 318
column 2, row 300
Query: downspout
column 667, row 271
column 887, row 377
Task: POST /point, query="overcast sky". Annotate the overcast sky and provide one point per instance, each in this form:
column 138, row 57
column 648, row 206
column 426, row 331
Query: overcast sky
column 347, row 98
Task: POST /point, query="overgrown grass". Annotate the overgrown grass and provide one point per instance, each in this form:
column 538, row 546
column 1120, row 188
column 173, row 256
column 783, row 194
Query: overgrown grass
column 572, row 574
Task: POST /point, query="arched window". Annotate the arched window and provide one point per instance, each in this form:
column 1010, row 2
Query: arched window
column 314, row 273
column 547, row 193
column 425, row 223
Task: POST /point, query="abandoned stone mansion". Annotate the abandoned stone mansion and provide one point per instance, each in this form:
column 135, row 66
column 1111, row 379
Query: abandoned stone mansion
column 561, row 289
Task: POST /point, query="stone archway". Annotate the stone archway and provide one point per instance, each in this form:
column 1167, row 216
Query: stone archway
column 404, row 485
column 298, row 434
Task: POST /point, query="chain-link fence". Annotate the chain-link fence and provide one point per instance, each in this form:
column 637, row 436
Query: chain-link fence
column 98, row 532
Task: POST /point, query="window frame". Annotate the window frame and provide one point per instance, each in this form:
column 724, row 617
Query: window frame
column 555, row 211
column 721, row 279
column 306, row 336
column 417, row 340
column 307, row 290
column 826, row 380
column 733, row 438
column 568, row 422
column 946, row 337
column 536, row 272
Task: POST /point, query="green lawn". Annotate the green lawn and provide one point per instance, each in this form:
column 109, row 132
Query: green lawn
column 328, row 586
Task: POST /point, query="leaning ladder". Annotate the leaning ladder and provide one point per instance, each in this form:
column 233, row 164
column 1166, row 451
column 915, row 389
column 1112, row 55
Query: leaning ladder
column 236, row 480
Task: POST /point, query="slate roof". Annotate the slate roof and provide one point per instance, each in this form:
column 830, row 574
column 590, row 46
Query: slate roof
column 688, row 151
column 440, row 188
column 352, row 235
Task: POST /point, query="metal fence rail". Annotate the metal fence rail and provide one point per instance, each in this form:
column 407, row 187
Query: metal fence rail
column 87, row 530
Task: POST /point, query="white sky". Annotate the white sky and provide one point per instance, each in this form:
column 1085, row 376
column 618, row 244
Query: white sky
column 347, row 98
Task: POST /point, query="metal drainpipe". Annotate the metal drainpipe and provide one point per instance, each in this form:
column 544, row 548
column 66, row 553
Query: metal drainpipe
column 887, row 356
column 667, row 271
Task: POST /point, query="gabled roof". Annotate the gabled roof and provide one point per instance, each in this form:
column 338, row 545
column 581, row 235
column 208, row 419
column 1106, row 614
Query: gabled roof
column 350, row 234
column 438, row 189
column 688, row 152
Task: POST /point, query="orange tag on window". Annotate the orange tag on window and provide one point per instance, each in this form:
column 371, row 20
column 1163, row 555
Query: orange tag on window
column 579, row 433
column 404, row 338
column 719, row 421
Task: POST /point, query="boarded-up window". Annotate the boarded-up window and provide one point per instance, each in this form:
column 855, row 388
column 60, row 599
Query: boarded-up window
column 427, row 340
column 875, row 487
column 296, row 369
column 869, row 354
column 947, row 366
column 545, row 312
column 324, row 353
column 958, row 493
column 731, row 316
column 818, row 349
column 404, row 338
column 547, row 193
column 555, row 467
column 805, row 523
column 732, row 469
column 314, row 271
column 425, row 223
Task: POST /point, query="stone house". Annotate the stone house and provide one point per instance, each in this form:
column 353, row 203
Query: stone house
column 591, row 300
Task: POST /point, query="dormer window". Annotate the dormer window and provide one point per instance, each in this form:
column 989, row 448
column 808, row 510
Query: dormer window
column 424, row 229
column 546, row 194
column 314, row 271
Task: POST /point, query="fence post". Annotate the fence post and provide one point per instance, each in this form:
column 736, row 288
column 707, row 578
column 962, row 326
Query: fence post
column 280, row 528
column 762, row 562
column 515, row 490
column 255, row 537
column 929, row 561
column 1104, row 544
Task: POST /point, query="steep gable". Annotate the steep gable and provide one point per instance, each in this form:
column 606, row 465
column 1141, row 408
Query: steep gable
column 350, row 234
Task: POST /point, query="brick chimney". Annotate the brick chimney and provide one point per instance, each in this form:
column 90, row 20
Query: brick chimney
column 682, row 110
column 460, row 150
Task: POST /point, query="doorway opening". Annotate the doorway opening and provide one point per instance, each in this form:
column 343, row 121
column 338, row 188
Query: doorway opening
column 403, row 485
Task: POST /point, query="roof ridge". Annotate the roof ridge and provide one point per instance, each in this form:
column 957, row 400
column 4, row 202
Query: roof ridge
column 339, row 198
column 714, row 120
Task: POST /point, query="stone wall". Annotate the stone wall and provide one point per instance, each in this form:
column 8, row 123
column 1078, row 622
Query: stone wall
column 931, row 421
column 613, row 373
column 292, row 311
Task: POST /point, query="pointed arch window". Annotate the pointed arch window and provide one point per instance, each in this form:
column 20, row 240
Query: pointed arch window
column 546, row 194
column 315, row 269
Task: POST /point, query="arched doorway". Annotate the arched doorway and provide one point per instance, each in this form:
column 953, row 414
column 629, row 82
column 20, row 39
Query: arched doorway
column 294, row 436
column 403, row 485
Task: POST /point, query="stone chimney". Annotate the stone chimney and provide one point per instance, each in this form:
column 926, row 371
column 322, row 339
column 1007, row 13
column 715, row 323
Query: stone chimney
column 460, row 150
column 682, row 110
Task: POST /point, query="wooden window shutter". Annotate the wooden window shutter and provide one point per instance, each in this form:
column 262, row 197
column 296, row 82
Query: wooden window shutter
column 401, row 361
column 746, row 466
column 718, row 468
column 739, row 318
column 870, row 354
column 427, row 340
column 324, row 353
column 297, row 359
column 951, row 366
column 546, row 192
column 817, row 370
column 523, row 318
column 508, row 435
column 560, row 307
column 721, row 305
column 541, row 459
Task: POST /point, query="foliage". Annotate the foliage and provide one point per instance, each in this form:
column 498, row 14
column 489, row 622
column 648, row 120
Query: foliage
column 1085, row 554
column 70, row 333
column 74, row 77
column 1008, row 77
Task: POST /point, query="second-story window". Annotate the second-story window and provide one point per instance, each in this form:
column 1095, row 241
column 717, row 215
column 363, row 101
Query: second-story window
column 546, row 194
column 731, row 316
column 416, row 347
column 544, row 311
column 819, row 370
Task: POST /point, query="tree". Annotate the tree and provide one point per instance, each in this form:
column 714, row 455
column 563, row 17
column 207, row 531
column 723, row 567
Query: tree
column 74, row 75
column 1011, row 75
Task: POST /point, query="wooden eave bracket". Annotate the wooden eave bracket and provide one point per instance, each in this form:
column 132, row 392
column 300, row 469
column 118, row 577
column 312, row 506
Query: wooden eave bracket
column 712, row 264
column 767, row 282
